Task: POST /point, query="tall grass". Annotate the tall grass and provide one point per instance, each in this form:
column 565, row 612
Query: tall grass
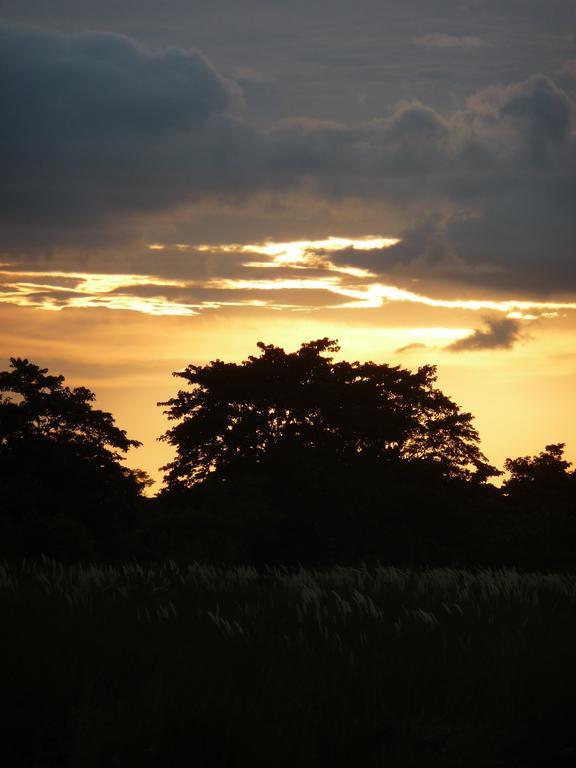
column 199, row 665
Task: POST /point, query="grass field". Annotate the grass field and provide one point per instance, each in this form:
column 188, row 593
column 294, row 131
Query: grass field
column 168, row 665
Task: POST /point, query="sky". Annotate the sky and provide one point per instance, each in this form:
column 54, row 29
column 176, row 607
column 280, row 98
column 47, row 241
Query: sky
column 184, row 178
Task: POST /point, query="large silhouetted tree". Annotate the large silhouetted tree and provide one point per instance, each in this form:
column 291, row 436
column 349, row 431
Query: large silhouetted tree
column 238, row 417
column 318, row 451
column 62, row 482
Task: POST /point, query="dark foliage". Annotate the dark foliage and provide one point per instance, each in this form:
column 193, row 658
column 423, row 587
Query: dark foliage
column 284, row 458
column 306, row 415
column 145, row 666
column 541, row 501
column 294, row 457
column 63, row 488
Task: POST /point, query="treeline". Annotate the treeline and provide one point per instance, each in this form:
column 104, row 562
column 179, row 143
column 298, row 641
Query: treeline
column 284, row 458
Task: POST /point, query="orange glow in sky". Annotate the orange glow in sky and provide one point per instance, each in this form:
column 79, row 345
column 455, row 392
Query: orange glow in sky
column 175, row 319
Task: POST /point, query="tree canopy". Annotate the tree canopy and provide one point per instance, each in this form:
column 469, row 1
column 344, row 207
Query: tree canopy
column 547, row 469
column 61, row 461
column 36, row 406
column 279, row 407
column 542, row 482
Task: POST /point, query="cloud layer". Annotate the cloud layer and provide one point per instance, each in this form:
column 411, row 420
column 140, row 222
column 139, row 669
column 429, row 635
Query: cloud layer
column 102, row 134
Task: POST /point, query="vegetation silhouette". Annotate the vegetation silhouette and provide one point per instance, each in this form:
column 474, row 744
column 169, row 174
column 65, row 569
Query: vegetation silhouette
column 63, row 487
column 284, row 458
column 295, row 457
column 201, row 665
column 541, row 501
column 276, row 408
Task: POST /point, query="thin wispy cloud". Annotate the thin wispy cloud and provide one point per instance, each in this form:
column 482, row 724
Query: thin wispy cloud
column 410, row 348
column 301, row 254
column 318, row 272
column 463, row 42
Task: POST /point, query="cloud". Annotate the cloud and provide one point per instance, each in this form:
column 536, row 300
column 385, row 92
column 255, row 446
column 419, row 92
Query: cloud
column 542, row 110
column 410, row 347
column 104, row 138
column 298, row 275
column 502, row 333
column 503, row 169
column 569, row 67
column 464, row 42
column 96, row 125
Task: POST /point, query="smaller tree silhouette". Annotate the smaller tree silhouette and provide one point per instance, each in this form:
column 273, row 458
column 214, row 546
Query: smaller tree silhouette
column 548, row 470
column 62, row 482
column 541, row 494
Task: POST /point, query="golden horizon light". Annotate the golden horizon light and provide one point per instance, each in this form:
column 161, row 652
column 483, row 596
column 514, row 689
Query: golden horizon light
column 154, row 294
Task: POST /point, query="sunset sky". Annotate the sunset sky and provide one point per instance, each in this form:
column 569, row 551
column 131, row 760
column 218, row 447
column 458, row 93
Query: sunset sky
column 182, row 179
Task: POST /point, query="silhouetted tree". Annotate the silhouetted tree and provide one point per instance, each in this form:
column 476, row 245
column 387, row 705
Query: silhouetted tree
column 316, row 444
column 63, row 488
column 541, row 493
column 547, row 472
column 238, row 415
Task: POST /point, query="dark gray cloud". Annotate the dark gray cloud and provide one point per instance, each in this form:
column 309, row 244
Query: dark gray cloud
column 102, row 133
column 502, row 333
column 507, row 166
column 569, row 67
column 95, row 124
column 326, row 53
